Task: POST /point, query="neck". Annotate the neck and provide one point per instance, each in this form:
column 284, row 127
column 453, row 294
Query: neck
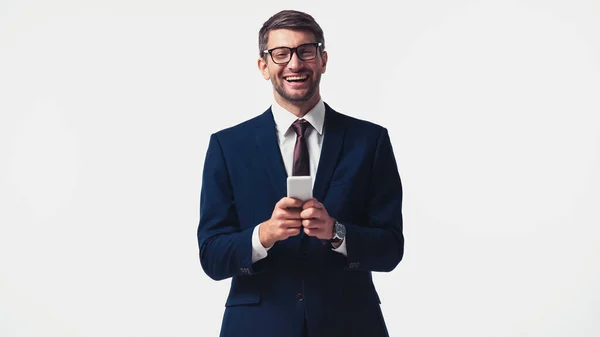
column 299, row 109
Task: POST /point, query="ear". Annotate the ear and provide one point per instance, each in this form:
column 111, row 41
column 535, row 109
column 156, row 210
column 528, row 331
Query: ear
column 324, row 57
column 264, row 68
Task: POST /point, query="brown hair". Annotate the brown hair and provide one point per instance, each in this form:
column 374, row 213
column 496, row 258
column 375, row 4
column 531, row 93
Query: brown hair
column 289, row 19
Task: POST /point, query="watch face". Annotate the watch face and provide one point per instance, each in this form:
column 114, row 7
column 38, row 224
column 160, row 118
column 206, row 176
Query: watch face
column 340, row 230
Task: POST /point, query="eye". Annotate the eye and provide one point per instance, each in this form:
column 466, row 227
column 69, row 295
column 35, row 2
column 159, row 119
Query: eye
column 281, row 53
column 306, row 52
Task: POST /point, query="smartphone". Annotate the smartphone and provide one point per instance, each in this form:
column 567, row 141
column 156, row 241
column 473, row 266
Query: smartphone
column 299, row 187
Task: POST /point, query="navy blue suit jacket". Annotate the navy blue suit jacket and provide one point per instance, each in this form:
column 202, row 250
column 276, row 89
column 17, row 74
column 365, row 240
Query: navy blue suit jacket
column 301, row 281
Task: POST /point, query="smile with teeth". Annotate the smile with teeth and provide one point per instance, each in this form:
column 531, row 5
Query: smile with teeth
column 296, row 78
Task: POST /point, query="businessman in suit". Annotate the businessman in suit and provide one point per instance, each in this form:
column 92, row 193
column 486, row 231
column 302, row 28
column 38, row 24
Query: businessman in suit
column 300, row 268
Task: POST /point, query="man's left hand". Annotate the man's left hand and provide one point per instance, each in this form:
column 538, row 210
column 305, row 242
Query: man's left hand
column 316, row 221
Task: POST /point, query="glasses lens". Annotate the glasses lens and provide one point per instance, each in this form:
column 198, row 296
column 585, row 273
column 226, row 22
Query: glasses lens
column 280, row 55
column 307, row 51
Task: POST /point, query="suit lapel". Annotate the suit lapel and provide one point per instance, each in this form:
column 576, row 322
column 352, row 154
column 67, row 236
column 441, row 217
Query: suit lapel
column 330, row 151
column 333, row 140
column 266, row 139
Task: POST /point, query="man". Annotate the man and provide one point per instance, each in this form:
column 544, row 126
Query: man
column 300, row 268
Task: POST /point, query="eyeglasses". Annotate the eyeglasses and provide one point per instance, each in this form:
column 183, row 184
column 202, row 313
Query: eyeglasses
column 305, row 52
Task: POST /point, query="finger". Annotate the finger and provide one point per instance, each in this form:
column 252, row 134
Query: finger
column 310, row 213
column 292, row 231
column 287, row 213
column 312, row 203
column 295, row 203
column 313, row 232
column 291, row 213
column 286, row 202
column 287, row 224
column 311, row 223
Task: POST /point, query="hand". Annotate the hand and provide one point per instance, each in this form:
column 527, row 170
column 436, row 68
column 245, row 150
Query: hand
column 316, row 220
column 285, row 222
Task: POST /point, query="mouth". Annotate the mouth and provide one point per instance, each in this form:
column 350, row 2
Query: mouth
column 296, row 78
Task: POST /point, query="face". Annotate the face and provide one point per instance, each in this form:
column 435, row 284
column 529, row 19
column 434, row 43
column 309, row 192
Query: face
column 295, row 82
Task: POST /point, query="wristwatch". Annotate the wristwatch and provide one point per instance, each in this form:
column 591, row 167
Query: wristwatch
column 339, row 232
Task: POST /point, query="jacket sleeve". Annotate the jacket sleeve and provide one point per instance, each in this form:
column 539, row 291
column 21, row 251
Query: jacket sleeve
column 379, row 244
column 225, row 250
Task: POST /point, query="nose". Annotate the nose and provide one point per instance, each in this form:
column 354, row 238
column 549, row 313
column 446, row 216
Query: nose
column 294, row 62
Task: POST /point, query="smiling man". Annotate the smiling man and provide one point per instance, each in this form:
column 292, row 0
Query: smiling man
column 300, row 268
column 295, row 79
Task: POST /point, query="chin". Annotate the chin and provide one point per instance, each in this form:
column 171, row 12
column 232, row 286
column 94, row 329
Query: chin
column 300, row 99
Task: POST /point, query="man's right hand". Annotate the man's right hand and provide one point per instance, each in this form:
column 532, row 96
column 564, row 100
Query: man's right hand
column 285, row 222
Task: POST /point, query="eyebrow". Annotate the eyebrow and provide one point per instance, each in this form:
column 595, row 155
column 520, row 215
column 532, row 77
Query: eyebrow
column 293, row 47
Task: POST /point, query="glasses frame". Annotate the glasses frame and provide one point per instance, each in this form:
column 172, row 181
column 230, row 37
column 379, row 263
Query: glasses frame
column 293, row 51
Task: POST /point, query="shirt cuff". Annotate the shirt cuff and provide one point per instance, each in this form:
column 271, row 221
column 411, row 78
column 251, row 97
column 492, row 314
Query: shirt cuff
column 258, row 251
column 341, row 249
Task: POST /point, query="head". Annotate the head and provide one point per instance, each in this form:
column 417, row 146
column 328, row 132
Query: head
column 295, row 79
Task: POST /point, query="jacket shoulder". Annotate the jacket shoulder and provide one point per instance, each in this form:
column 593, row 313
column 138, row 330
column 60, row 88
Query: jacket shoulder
column 241, row 131
column 243, row 126
column 356, row 124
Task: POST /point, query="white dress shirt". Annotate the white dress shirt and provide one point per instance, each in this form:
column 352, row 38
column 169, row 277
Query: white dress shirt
column 286, row 138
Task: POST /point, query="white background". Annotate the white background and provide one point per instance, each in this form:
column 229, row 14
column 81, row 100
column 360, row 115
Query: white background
column 107, row 107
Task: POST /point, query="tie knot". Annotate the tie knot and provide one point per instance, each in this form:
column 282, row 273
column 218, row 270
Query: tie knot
column 300, row 126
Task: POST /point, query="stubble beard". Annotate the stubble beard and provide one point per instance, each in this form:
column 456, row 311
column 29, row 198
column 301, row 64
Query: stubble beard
column 301, row 99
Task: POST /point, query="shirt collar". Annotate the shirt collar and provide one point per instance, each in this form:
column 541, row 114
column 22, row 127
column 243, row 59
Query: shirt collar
column 284, row 119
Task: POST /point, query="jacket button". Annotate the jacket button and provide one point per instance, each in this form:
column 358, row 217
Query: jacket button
column 300, row 297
